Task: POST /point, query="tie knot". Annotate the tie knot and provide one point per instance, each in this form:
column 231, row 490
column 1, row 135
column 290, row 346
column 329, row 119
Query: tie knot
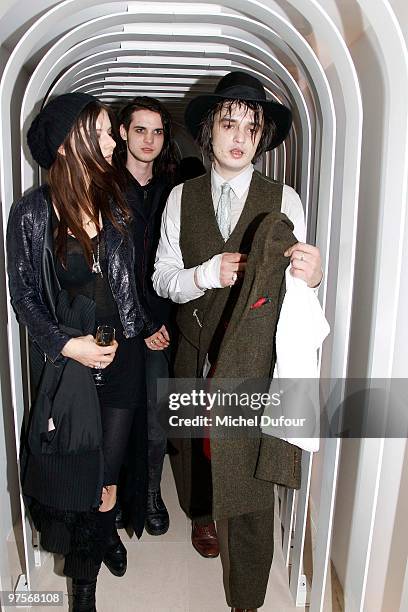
column 225, row 189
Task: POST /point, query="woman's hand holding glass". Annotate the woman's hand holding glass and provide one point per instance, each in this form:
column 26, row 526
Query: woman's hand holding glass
column 85, row 350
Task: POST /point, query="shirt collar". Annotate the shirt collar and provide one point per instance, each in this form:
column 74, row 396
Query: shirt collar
column 239, row 184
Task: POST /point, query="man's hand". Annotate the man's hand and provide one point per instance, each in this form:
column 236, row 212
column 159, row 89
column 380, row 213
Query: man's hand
column 85, row 350
column 232, row 265
column 159, row 340
column 306, row 263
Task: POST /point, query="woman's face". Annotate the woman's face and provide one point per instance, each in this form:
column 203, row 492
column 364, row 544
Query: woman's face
column 104, row 131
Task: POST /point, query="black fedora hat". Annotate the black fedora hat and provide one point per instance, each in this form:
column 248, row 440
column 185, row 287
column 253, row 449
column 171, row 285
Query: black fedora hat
column 239, row 85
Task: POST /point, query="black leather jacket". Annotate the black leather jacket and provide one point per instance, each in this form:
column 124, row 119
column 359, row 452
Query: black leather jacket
column 33, row 283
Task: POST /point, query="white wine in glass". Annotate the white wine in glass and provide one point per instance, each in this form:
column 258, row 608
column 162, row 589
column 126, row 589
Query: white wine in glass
column 105, row 336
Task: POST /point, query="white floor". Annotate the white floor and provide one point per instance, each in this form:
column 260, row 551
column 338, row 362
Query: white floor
column 165, row 574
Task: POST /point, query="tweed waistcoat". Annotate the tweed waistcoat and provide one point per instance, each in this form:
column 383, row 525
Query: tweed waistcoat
column 200, row 239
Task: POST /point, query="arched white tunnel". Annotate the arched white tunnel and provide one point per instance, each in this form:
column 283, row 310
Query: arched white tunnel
column 342, row 66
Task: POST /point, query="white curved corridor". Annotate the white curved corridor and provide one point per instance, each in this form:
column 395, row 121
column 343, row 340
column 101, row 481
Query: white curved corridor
column 342, row 66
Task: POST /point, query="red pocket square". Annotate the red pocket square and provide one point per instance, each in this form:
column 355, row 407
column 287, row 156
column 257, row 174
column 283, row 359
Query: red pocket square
column 260, row 302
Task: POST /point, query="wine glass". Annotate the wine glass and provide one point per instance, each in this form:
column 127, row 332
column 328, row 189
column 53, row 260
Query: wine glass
column 105, row 335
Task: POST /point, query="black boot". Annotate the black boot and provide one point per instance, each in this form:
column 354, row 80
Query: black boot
column 157, row 517
column 115, row 557
column 83, row 595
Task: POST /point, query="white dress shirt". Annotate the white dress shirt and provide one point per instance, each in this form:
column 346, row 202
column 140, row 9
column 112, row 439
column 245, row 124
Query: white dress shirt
column 301, row 323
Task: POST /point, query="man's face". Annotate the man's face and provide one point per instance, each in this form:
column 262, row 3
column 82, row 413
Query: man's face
column 234, row 140
column 145, row 136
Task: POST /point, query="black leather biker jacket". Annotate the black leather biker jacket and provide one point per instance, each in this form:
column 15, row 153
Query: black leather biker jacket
column 33, row 283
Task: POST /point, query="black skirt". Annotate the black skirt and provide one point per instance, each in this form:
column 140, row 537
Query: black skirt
column 123, row 406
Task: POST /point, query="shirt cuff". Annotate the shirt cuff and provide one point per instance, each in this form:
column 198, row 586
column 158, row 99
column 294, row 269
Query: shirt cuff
column 187, row 286
column 208, row 273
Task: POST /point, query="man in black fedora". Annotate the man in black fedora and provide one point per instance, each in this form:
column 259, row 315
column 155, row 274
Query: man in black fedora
column 207, row 230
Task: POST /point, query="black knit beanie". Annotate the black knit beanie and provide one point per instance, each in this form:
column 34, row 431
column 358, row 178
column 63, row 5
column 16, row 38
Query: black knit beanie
column 52, row 125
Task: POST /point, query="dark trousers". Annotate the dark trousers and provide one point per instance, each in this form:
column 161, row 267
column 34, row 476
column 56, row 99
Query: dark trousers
column 157, row 366
column 201, row 484
column 246, row 557
column 246, row 541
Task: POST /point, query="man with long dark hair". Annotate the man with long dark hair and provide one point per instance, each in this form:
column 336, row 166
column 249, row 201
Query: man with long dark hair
column 151, row 163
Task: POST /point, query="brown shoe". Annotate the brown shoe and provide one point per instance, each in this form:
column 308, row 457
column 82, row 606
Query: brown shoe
column 204, row 539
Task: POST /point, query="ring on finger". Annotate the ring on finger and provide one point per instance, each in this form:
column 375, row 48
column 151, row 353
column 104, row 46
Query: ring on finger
column 234, row 278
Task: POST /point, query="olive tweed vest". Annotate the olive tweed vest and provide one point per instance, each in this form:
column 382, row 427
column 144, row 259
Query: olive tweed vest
column 200, row 239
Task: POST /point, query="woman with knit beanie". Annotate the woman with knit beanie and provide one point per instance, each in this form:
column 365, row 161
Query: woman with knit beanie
column 71, row 270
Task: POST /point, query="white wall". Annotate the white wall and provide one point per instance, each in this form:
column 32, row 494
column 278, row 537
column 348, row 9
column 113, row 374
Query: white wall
column 364, row 291
column 372, row 473
column 10, row 530
column 11, row 538
column 400, row 8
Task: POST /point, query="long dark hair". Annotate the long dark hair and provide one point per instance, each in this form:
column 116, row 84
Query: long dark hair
column 82, row 182
column 168, row 159
column 261, row 120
